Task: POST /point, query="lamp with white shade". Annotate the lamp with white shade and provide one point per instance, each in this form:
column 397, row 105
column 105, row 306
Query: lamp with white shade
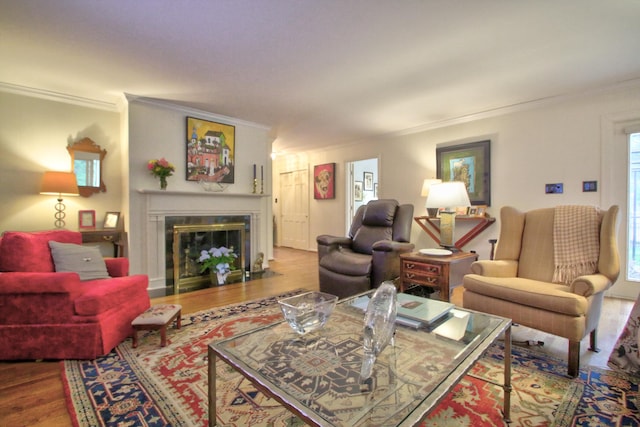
column 447, row 195
column 59, row 184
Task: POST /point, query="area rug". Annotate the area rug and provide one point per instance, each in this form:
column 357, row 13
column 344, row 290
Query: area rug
column 155, row 386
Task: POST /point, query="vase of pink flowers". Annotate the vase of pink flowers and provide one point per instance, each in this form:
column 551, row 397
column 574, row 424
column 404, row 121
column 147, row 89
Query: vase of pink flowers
column 162, row 169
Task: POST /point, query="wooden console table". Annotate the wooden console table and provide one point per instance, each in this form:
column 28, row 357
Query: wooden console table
column 432, row 227
column 100, row 235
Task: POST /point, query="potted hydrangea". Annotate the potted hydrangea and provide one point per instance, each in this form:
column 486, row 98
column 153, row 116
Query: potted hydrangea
column 219, row 261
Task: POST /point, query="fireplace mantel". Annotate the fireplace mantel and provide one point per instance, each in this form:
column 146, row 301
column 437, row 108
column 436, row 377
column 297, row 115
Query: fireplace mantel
column 154, row 205
column 199, row 193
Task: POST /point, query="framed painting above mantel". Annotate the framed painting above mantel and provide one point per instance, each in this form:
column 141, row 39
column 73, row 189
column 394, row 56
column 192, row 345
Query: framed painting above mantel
column 211, row 154
column 469, row 163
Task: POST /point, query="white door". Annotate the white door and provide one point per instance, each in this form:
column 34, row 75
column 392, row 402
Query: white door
column 294, row 193
column 617, row 188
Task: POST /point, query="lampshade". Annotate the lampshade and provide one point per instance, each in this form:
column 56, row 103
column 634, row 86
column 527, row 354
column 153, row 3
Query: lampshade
column 426, row 185
column 59, row 183
column 450, row 194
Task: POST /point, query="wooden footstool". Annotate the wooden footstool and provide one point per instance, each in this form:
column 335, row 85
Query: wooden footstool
column 157, row 317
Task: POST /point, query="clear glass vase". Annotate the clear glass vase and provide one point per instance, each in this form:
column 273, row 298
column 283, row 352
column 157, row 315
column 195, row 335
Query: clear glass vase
column 379, row 326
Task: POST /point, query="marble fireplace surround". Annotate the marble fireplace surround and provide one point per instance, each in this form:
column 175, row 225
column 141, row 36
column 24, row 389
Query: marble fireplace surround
column 158, row 205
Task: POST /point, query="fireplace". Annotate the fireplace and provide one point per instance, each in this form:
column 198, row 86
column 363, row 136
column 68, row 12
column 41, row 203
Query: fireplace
column 187, row 236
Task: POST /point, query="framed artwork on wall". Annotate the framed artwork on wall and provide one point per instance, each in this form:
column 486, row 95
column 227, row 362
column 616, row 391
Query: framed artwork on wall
column 469, row 163
column 358, row 196
column 368, row 181
column 111, row 220
column 86, row 219
column 324, row 183
column 211, row 153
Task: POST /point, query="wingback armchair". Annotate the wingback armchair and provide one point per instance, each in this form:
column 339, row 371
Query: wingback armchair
column 369, row 255
column 519, row 282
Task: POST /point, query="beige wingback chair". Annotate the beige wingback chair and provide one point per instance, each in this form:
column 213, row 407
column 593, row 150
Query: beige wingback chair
column 518, row 284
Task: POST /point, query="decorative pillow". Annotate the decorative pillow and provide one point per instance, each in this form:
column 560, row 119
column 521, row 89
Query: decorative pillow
column 87, row 261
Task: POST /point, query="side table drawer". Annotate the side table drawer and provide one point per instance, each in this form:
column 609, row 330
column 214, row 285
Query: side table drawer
column 420, row 278
column 421, row 268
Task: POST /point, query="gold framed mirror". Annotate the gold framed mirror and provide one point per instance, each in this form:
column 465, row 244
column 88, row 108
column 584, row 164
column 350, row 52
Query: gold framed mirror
column 86, row 162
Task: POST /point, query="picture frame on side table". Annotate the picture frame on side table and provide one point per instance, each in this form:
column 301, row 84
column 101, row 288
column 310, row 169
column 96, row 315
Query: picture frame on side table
column 211, row 151
column 469, row 163
column 86, row 219
column 324, row 182
column 111, row 220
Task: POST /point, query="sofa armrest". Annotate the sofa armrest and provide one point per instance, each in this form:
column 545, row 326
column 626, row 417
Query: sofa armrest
column 392, row 246
column 117, row 267
column 37, row 298
column 495, row 268
column 590, row 284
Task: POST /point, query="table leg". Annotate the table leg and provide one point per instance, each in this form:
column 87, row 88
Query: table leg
column 507, row 375
column 212, row 387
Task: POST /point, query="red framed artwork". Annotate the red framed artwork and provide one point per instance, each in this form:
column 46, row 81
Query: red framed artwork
column 324, row 183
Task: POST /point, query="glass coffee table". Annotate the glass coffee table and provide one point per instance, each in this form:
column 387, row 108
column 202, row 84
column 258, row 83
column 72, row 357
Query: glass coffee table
column 317, row 376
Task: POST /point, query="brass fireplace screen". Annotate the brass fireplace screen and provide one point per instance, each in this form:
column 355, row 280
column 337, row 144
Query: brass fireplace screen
column 190, row 240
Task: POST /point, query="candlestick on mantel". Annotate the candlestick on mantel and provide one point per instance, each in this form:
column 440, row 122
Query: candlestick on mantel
column 254, row 171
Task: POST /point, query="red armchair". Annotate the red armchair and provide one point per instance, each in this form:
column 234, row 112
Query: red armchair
column 46, row 314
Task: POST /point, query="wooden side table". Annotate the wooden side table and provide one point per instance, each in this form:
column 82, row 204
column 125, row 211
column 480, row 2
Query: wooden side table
column 114, row 236
column 441, row 272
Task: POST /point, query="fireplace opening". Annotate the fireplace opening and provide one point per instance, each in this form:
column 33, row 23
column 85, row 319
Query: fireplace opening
column 187, row 237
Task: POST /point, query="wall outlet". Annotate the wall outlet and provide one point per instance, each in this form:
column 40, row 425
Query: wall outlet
column 553, row 188
column 589, row 186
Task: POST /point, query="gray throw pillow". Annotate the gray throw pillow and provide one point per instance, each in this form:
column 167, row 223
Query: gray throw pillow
column 87, row 261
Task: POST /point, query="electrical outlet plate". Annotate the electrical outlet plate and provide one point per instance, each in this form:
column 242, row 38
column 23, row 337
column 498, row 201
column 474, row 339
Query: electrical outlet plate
column 553, row 188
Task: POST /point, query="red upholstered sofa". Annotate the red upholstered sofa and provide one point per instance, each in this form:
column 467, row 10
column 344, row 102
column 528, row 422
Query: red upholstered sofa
column 46, row 314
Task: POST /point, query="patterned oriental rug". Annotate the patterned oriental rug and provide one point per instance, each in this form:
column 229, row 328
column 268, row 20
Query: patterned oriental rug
column 154, row 386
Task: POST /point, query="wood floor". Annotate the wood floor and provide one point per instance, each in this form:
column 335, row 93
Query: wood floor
column 31, row 393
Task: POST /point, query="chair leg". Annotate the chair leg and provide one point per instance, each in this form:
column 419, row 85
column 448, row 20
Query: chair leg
column 593, row 341
column 574, row 358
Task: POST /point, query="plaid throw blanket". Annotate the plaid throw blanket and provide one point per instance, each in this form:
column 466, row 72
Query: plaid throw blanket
column 576, row 242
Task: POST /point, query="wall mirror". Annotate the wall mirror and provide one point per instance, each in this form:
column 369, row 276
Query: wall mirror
column 86, row 162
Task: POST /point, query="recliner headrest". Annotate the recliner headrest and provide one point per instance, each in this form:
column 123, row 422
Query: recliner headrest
column 380, row 213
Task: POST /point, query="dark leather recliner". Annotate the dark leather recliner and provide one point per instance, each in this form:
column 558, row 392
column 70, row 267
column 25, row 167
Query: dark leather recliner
column 380, row 232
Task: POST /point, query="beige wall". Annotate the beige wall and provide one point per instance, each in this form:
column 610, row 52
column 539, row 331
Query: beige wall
column 34, row 134
column 556, row 142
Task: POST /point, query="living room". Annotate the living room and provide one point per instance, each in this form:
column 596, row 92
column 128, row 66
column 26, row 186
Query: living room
column 559, row 137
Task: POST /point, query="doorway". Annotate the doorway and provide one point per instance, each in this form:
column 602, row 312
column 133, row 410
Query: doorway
column 621, row 171
column 362, row 186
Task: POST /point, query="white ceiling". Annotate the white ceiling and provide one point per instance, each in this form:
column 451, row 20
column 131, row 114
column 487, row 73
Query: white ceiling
column 323, row 72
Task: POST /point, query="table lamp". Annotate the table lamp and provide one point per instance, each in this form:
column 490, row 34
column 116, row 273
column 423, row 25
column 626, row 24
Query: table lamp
column 59, row 184
column 426, row 185
column 448, row 195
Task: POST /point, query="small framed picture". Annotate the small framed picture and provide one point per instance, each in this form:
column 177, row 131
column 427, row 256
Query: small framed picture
column 461, row 210
column 86, row 219
column 473, row 211
column 368, row 181
column 481, row 210
column 357, row 191
column 111, row 220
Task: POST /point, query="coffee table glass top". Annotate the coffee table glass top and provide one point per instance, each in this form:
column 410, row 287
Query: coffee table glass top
column 316, row 376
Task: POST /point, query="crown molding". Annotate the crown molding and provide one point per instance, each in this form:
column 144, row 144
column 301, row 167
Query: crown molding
column 59, row 97
column 200, row 114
